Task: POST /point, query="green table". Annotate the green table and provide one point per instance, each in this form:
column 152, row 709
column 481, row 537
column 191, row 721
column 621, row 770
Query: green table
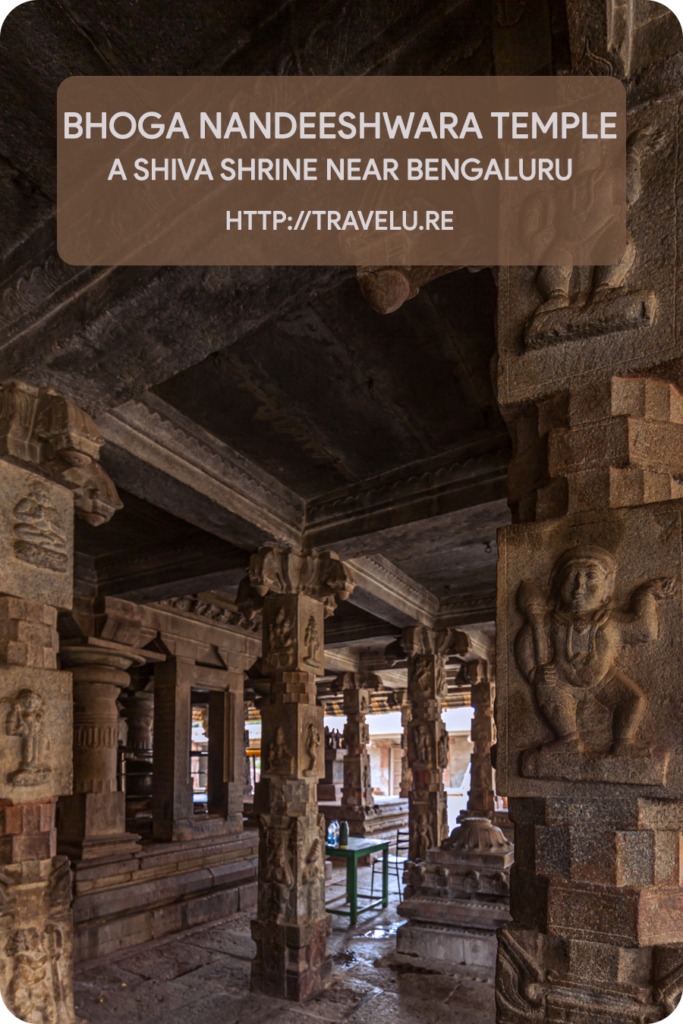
column 352, row 853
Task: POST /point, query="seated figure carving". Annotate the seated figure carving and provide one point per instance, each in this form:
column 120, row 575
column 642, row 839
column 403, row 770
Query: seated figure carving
column 568, row 648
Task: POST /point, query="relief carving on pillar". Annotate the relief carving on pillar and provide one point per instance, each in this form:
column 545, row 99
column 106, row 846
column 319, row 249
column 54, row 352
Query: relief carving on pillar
column 281, row 640
column 35, row 950
column 568, row 649
column 420, row 750
column 24, row 719
column 280, row 759
column 422, row 836
column 36, row 734
column 277, row 872
column 312, row 643
column 312, row 748
column 442, row 749
column 41, row 428
column 609, row 306
column 40, row 534
column 520, row 977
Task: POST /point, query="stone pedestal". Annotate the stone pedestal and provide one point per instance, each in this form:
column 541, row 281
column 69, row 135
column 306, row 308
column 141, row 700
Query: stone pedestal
column 457, row 897
column 427, row 737
column 92, row 820
column 292, row 961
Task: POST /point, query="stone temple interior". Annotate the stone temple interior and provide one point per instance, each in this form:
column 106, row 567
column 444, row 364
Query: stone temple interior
column 276, row 496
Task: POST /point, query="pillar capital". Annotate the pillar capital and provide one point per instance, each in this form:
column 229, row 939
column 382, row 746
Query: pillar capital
column 441, row 642
column 47, row 431
column 320, row 575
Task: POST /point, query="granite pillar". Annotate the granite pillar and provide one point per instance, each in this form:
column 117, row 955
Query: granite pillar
column 427, row 652
column 48, row 469
column 357, row 804
column 590, row 612
column 291, row 929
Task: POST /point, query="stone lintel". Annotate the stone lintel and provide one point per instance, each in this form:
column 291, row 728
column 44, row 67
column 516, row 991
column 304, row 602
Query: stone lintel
column 157, row 435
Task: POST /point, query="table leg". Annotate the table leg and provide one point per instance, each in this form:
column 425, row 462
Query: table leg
column 352, row 887
column 385, row 876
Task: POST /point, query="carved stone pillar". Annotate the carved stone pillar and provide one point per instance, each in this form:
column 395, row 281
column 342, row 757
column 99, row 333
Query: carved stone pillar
column 291, row 931
column 481, row 799
column 590, row 612
column 357, row 798
column 53, row 449
column 427, row 737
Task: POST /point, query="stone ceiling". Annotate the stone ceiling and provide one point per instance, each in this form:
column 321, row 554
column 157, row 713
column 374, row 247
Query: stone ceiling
column 247, row 405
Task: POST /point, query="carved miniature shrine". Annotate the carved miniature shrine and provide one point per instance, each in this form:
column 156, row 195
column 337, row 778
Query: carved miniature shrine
column 247, row 512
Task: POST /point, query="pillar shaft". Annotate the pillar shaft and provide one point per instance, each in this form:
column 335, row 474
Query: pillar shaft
column 427, row 737
column 92, row 821
column 291, row 929
column 481, row 799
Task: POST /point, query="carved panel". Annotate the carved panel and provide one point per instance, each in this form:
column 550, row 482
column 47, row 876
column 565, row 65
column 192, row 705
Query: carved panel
column 36, row 538
column 35, row 941
column 588, row 619
column 561, row 326
column 35, row 734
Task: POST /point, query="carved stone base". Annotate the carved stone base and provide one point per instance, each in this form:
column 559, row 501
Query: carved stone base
column 621, row 312
column 440, row 942
column 291, row 962
column 641, row 770
column 539, row 978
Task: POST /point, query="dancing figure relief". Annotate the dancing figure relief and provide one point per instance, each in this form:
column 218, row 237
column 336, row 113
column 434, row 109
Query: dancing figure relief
column 569, row 646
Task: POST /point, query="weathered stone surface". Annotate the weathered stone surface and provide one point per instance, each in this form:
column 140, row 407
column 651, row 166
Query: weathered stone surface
column 35, row 940
column 588, row 605
column 36, row 735
column 36, row 538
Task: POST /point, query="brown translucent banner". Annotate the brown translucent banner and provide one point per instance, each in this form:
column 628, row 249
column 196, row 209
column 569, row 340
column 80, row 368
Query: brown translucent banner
column 302, row 170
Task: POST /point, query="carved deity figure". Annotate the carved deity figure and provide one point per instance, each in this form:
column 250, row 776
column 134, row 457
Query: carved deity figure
column 313, row 741
column 569, row 644
column 443, row 750
column 312, row 642
column 40, row 536
column 278, row 872
column 24, row 719
column 366, row 775
column 281, row 638
column 280, row 760
column 422, row 746
column 30, row 993
column 424, row 836
column 594, row 199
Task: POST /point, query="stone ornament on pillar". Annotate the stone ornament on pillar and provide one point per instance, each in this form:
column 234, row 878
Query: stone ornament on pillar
column 35, row 940
column 44, row 429
column 297, row 590
column 589, row 616
column 36, row 538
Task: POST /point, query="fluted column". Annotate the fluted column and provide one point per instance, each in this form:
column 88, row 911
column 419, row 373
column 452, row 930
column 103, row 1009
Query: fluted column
column 291, row 929
column 91, row 823
column 427, row 652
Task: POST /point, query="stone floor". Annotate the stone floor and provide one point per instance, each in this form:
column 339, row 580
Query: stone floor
column 202, row 977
